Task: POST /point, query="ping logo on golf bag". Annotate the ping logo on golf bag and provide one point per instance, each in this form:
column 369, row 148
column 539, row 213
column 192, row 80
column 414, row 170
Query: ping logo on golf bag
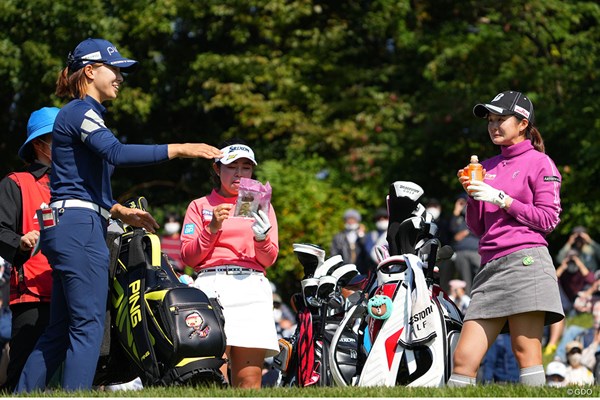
column 135, row 313
column 195, row 321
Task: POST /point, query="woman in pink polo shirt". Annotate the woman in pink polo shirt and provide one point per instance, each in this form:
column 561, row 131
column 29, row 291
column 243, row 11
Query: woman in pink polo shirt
column 231, row 256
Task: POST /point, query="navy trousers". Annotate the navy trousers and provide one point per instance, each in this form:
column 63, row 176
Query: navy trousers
column 77, row 252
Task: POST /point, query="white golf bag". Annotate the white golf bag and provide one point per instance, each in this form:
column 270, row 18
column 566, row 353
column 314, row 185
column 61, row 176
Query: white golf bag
column 408, row 328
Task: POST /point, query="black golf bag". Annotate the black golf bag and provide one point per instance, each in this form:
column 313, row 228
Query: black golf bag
column 304, row 358
column 157, row 328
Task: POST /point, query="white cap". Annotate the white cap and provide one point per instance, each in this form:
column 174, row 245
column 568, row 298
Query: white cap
column 457, row 283
column 236, row 151
column 556, row 368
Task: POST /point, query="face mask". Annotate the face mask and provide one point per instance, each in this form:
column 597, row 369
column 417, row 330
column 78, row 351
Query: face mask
column 434, row 211
column 351, row 227
column 574, row 359
column 47, row 154
column 172, row 227
column 572, row 267
column 382, row 225
column 277, row 314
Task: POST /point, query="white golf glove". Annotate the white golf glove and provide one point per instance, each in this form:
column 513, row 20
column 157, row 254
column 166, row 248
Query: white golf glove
column 261, row 225
column 483, row 192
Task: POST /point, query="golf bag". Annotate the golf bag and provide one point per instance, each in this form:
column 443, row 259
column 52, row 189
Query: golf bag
column 397, row 328
column 304, row 358
column 157, row 328
column 409, row 327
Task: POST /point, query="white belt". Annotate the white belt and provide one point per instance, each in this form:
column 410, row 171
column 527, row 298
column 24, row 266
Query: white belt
column 230, row 270
column 81, row 204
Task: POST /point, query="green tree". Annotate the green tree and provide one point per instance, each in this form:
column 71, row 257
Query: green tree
column 370, row 92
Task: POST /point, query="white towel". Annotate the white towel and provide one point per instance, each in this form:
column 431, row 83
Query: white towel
column 420, row 326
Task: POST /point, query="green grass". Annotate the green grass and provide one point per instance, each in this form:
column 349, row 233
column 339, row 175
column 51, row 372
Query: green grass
column 359, row 392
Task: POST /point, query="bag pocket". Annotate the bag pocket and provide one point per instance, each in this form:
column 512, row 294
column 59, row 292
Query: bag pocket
column 196, row 325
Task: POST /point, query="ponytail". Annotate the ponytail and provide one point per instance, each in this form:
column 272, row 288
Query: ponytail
column 73, row 86
column 535, row 136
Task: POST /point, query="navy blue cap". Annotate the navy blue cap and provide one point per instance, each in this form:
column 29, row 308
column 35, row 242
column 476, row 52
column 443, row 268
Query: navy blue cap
column 92, row 51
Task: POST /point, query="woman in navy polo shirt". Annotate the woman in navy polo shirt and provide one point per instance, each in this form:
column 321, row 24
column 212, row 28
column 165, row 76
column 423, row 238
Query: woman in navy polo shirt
column 84, row 154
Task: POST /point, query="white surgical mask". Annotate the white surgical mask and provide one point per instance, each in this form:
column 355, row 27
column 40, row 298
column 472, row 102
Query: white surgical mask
column 172, row 228
column 574, row 359
column 47, row 154
column 351, row 227
column 434, row 211
column 277, row 314
column 382, row 225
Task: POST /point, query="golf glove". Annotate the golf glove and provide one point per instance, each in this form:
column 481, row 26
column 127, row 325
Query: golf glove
column 483, row 192
column 261, row 225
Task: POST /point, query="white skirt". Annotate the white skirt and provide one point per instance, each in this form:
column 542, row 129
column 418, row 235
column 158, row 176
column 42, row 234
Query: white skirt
column 247, row 302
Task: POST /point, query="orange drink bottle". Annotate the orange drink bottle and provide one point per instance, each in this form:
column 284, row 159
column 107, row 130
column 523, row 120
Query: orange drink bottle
column 474, row 170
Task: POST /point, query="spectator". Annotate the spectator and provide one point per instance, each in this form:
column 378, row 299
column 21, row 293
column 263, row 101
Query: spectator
column 5, row 321
column 588, row 250
column 499, row 364
column 170, row 242
column 5, row 315
column 350, row 243
column 21, row 194
column 588, row 301
column 434, row 207
column 573, row 277
column 590, row 356
column 285, row 320
column 378, row 236
column 465, row 244
column 5, row 328
column 458, row 294
column 556, row 373
column 577, row 373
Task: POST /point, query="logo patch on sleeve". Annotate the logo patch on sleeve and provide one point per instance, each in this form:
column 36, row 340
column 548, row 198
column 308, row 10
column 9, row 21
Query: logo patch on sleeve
column 551, row 179
column 188, row 229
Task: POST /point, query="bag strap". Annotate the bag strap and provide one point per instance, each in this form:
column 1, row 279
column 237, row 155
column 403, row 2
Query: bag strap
column 136, row 285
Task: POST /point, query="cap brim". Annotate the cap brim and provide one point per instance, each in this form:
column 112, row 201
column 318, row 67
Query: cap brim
column 358, row 280
column 482, row 110
column 234, row 159
column 124, row 63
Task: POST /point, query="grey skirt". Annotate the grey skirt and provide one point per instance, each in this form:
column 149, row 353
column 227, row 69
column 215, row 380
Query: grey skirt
column 521, row 282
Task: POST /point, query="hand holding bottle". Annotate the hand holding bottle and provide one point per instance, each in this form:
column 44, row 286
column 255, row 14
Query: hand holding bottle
column 472, row 172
